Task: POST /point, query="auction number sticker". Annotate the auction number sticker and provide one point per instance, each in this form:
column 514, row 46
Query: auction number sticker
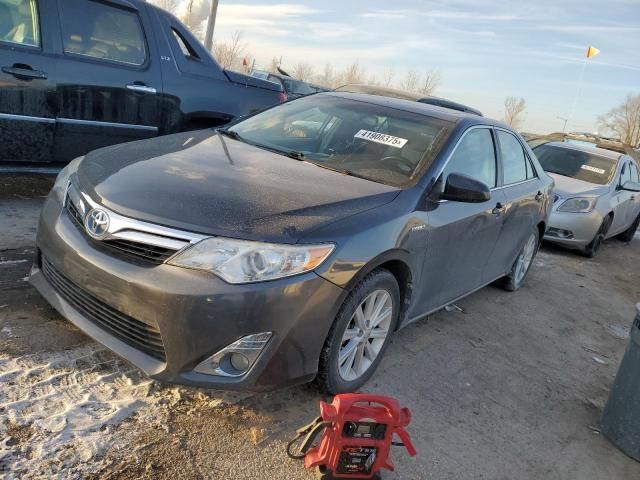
column 601, row 171
column 389, row 140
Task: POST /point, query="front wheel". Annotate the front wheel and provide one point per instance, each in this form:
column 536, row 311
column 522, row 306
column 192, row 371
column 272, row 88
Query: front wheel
column 360, row 333
column 515, row 278
column 593, row 248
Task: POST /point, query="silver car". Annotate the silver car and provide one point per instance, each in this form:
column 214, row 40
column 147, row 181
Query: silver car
column 596, row 195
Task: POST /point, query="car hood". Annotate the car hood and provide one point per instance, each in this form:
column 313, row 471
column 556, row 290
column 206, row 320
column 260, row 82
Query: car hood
column 207, row 183
column 567, row 186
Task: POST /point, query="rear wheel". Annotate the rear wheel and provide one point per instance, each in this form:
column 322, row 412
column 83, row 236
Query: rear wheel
column 360, row 333
column 628, row 234
column 593, row 248
column 514, row 280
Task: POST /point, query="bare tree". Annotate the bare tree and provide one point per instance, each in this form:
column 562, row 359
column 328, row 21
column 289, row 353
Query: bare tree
column 624, row 120
column 411, row 80
column 513, row 110
column 353, row 73
column 372, row 79
column 327, row 78
column 230, row 54
column 430, row 82
column 387, row 76
column 303, row 71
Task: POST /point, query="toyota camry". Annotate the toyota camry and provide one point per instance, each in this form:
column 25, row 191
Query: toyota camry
column 290, row 245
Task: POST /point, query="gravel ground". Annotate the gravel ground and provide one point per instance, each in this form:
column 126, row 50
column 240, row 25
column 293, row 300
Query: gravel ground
column 511, row 387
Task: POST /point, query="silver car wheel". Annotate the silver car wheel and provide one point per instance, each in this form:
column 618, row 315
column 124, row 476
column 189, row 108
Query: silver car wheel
column 524, row 260
column 365, row 335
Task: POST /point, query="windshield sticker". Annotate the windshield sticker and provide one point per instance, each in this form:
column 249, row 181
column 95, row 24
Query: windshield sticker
column 601, row 171
column 389, row 140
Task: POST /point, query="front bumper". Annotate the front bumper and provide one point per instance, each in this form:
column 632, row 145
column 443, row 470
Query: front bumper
column 196, row 313
column 573, row 230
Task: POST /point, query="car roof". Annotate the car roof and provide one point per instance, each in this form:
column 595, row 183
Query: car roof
column 405, row 95
column 442, row 113
column 602, row 152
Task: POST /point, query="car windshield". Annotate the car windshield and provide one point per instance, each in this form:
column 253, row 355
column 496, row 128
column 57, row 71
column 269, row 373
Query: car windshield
column 577, row 164
column 297, row 87
column 376, row 142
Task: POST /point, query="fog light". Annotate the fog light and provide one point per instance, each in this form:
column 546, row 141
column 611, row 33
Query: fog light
column 239, row 362
column 235, row 359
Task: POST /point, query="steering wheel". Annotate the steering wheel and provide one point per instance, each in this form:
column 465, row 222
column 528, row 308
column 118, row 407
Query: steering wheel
column 399, row 162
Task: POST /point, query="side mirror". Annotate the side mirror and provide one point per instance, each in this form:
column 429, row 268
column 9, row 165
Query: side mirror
column 461, row 188
column 630, row 186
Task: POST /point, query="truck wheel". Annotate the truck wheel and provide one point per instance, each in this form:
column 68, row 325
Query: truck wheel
column 514, row 280
column 628, row 234
column 360, row 333
column 593, row 248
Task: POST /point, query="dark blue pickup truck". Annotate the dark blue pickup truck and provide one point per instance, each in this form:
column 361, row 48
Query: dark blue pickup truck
column 76, row 75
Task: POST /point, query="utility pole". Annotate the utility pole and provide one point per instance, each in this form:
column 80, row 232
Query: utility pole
column 208, row 39
column 564, row 127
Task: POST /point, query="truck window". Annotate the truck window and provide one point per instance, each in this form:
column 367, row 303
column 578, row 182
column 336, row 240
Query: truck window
column 102, row 31
column 187, row 50
column 19, row 22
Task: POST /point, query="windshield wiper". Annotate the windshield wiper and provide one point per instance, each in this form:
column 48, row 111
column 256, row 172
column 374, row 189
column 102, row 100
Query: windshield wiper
column 231, row 134
column 349, row 173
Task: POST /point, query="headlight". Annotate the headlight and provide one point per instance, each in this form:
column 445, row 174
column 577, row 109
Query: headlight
column 62, row 180
column 578, row 205
column 241, row 261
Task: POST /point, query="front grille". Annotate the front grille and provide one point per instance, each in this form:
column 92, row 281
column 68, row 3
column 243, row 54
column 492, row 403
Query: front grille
column 135, row 333
column 128, row 248
column 139, row 250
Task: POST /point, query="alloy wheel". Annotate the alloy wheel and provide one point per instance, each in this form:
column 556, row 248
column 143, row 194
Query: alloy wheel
column 524, row 260
column 365, row 335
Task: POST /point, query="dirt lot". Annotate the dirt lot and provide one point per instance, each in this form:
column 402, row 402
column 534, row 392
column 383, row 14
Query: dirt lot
column 512, row 387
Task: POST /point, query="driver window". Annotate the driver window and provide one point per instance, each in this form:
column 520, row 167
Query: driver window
column 19, row 22
column 635, row 176
column 625, row 175
column 475, row 157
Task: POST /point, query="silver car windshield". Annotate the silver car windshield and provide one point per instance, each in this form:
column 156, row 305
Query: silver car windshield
column 577, row 164
column 379, row 143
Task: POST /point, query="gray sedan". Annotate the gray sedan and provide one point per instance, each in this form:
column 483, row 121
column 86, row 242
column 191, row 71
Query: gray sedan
column 276, row 251
column 597, row 195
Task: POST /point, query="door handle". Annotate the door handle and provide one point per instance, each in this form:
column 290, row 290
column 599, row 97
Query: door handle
column 539, row 196
column 24, row 72
column 497, row 211
column 141, row 88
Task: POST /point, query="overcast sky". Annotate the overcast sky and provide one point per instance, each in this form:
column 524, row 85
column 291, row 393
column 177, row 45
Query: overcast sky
column 485, row 50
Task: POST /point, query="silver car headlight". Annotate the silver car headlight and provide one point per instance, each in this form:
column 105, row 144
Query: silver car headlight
column 578, row 205
column 242, row 261
column 62, row 180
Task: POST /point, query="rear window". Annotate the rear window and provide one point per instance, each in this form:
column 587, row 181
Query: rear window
column 379, row 143
column 97, row 30
column 585, row 166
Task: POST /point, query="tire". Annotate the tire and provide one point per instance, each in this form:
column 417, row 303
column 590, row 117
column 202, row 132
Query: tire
column 593, row 248
column 515, row 278
column 357, row 337
column 628, row 234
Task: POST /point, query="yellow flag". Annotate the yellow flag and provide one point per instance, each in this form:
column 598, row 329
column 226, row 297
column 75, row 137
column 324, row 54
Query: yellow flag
column 592, row 51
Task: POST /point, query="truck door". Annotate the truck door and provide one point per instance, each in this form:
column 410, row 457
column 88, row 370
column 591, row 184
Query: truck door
column 27, row 81
column 109, row 80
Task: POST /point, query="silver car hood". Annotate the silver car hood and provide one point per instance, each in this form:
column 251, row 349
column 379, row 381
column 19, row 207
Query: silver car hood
column 567, row 186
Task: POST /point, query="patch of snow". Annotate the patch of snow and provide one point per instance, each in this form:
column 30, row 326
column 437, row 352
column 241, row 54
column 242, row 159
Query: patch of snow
column 619, row 331
column 599, row 360
column 67, row 405
column 7, row 331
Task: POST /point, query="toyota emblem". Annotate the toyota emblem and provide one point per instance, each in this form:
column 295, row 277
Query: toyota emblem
column 97, row 223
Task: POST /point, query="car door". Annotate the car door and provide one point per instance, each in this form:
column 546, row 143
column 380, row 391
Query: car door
column 109, row 79
column 634, row 206
column 27, row 81
column 622, row 200
column 523, row 199
column 461, row 236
